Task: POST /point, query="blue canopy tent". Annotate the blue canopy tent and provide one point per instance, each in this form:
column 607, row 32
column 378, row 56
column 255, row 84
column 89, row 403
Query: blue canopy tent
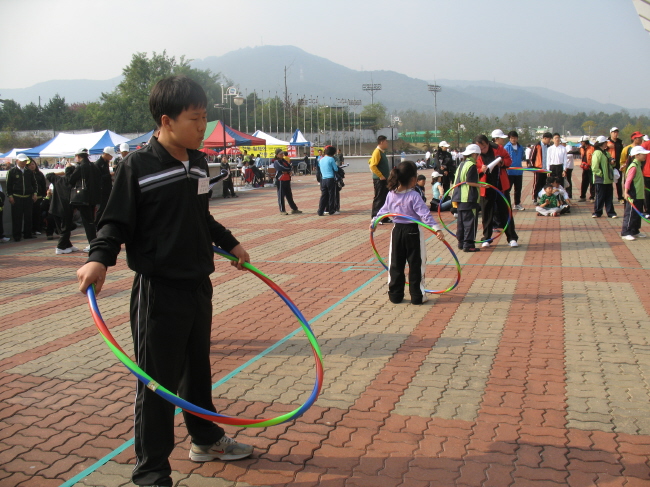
column 134, row 143
column 65, row 145
column 299, row 140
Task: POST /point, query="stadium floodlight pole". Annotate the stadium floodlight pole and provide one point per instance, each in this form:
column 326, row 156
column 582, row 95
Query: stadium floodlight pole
column 353, row 104
column 394, row 121
column 435, row 89
column 371, row 88
column 230, row 92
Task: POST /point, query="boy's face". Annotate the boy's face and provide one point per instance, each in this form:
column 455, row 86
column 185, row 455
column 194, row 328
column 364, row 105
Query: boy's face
column 556, row 140
column 546, row 140
column 188, row 129
column 514, row 140
column 421, row 182
column 548, row 191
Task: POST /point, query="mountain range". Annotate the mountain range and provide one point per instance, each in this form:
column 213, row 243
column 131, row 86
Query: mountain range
column 263, row 69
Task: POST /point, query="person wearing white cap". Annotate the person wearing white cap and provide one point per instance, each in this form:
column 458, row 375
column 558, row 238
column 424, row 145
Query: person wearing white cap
column 492, row 165
column 21, row 192
column 85, row 182
column 465, row 198
column 615, row 148
column 438, row 192
column 106, row 182
column 124, row 151
column 444, row 163
column 634, row 192
column 603, row 172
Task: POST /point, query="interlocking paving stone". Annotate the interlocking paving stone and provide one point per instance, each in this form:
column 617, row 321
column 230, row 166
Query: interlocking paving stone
column 608, row 358
column 451, row 381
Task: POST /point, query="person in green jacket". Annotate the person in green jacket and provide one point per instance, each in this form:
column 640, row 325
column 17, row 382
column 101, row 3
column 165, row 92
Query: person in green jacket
column 634, row 192
column 603, row 174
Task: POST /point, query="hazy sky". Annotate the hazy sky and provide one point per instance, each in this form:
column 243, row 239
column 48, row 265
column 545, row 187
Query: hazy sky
column 589, row 48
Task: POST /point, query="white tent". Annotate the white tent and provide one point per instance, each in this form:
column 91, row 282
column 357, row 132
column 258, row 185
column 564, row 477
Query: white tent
column 12, row 154
column 270, row 140
column 299, row 139
column 65, row 145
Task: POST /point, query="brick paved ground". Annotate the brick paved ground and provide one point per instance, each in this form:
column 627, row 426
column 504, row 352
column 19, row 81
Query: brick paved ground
column 534, row 371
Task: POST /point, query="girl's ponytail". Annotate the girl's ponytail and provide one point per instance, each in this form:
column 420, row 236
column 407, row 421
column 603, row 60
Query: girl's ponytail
column 402, row 174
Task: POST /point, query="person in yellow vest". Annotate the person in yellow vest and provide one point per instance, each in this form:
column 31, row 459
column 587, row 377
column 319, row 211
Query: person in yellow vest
column 465, row 198
column 634, row 192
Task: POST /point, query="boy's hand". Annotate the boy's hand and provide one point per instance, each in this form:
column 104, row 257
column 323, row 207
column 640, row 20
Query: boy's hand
column 242, row 255
column 440, row 236
column 91, row 273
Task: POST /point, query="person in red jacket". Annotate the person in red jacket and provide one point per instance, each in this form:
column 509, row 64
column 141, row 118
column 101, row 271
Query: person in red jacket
column 494, row 210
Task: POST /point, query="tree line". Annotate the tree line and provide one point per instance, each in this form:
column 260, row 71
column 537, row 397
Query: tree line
column 126, row 110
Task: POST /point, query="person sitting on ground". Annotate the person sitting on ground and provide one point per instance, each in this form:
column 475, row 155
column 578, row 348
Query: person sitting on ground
column 563, row 198
column 419, row 186
column 547, row 203
column 438, row 192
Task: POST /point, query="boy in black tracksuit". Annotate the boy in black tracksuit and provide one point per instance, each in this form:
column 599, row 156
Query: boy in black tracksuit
column 159, row 208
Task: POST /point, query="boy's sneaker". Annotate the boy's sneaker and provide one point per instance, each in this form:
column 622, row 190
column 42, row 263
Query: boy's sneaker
column 628, row 237
column 296, row 212
column 63, row 251
column 519, row 208
column 485, row 245
column 640, row 235
column 38, row 233
column 513, row 243
column 420, row 299
column 472, row 249
column 73, row 249
column 613, row 216
column 86, row 249
column 224, row 449
column 336, row 213
column 594, row 216
column 582, row 200
column 283, row 213
column 4, row 239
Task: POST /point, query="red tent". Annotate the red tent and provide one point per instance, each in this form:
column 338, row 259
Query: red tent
column 209, row 152
column 231, row 151
column 232, row 137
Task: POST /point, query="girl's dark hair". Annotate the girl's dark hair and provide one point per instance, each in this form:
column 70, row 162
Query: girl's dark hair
column 330, row 150
column 402, row 175
column 171, row 95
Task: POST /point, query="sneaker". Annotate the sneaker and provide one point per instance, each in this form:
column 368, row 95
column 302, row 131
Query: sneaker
column 513, row 243
column 4, row 239
column 326, row 213
column 224, row 449
column 38, row 233
column 296, row 212
column 336, row 213
column 613, row 216
column 640, row 235
column 472, row 249
column 519, row 208
column 73, row 249
column 63, row 251
column 594, row 216
column 283, row 213
column 582, row 200
column 628, row 237
column 86, row 249
column 485, row 245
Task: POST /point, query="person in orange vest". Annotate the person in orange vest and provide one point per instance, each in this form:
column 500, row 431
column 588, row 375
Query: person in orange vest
column 586, row 151
column 538, row 160
column 615, row 147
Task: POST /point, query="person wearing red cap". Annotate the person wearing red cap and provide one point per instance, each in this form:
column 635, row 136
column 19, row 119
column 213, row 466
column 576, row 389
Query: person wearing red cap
column 637, row 139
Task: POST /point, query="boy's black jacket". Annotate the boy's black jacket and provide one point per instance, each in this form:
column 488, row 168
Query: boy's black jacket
column 155, row 210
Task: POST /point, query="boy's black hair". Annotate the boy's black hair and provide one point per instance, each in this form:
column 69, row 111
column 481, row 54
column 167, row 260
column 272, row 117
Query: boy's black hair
column 330, row 150
column 381, row 138
column 401, row 175
column 547, row 135
column 557, row 135
column 482, row 139
column 548, row 186
column 421, row 177
column 171, row 95
column 513, row 133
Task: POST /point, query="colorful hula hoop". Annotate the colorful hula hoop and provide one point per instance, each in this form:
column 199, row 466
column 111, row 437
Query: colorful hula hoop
column 482, row 184
column 631, row 202
column 204, row 413
column 423, row 225
column 528, row 169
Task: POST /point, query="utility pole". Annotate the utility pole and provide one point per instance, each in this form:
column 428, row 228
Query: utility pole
column 371, row 88
column 435, row 89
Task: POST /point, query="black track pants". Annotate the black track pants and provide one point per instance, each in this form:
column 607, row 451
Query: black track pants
column 406, row 245
column 171, row 325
